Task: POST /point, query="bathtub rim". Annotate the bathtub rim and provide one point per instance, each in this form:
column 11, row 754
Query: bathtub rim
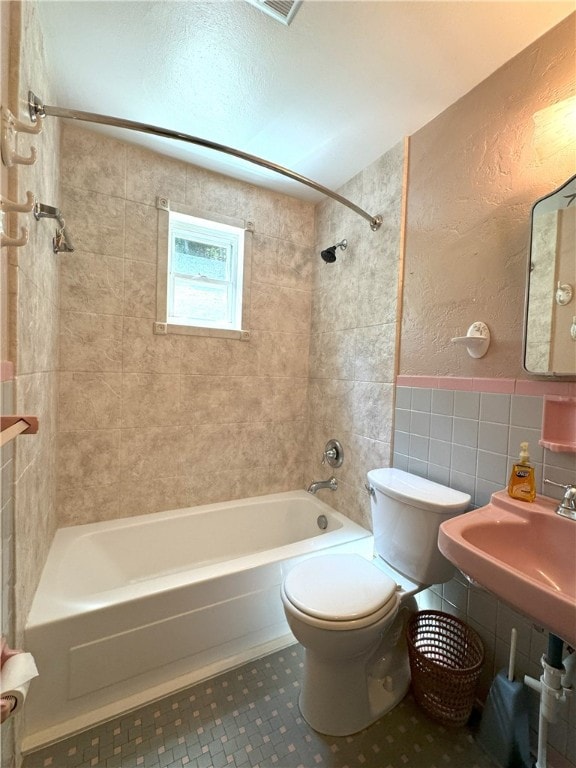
column 48, row 606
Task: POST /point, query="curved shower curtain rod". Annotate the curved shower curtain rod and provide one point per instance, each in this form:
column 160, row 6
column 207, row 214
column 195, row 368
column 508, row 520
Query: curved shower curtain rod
column 38, row 109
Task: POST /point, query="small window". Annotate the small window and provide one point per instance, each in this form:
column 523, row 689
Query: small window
column 205, row 273
column 203, row 265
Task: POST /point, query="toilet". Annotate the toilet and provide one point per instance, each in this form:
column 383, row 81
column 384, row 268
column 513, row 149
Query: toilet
column 350, row 613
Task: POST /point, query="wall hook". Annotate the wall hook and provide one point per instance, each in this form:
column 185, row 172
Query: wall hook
column 7, row 206
column 10, row 127
column 476, row 341
column 6, row 240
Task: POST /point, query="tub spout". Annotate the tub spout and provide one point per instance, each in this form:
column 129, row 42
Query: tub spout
column 332, row 484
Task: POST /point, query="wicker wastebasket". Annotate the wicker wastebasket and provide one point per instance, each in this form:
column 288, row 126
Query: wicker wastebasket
column 446, row 658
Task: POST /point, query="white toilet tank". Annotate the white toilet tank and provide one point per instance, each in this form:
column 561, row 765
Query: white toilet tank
column 406, row 514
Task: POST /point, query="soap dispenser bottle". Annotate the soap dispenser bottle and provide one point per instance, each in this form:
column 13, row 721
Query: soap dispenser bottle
column 522, row 483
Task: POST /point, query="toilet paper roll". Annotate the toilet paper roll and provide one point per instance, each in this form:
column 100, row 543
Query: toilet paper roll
column 15, row 676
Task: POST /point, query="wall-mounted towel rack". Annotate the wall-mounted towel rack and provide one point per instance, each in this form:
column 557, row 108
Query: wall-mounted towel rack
column 12, row 426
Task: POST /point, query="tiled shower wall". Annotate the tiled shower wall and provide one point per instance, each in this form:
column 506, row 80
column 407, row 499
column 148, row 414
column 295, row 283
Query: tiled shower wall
column 469, row 439
column 354, row 332
column 7, row 564
column 148, row 422
column 28, row 463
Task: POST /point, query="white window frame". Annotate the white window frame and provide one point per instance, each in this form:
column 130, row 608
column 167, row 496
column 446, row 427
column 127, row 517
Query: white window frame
column 177, row 219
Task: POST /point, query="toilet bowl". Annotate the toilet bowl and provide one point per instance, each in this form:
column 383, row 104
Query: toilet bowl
column 350, row 613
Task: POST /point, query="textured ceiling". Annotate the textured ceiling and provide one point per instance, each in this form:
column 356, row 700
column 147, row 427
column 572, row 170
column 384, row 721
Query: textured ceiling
column 324, row 96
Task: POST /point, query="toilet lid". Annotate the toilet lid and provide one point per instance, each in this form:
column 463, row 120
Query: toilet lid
column 339, row 587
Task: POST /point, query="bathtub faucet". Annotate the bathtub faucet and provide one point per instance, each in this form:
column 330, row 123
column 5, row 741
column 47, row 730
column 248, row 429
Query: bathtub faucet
column 319, row 484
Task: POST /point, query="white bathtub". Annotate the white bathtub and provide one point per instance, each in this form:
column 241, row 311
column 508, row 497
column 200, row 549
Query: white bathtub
column 132, row 610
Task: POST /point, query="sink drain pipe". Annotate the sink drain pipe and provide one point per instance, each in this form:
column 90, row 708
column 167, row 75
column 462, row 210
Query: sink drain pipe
column 554, row 687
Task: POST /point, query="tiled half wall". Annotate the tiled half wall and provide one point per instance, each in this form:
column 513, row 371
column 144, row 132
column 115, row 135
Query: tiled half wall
column 465, row 433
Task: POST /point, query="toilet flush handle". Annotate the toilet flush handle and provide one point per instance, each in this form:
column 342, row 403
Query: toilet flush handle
column 371, row 492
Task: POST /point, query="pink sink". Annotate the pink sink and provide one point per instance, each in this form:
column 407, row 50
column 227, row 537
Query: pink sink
column 522, row 552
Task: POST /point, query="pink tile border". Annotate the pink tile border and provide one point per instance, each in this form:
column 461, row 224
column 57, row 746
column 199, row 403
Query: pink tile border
column 528, row 387
column 417, row 381
column 6, row 370
column 455, row 382
column 499, row 386
column 495, row 385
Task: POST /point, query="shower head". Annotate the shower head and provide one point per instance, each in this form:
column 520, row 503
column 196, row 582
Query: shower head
column 329, row 254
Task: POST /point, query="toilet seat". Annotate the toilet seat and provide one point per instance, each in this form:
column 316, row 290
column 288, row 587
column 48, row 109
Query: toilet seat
column 340, row 592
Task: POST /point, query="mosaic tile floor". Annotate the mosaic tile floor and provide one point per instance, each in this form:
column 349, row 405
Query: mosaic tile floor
column 249, row 718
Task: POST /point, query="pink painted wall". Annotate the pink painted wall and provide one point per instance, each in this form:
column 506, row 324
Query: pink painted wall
column 475, row 171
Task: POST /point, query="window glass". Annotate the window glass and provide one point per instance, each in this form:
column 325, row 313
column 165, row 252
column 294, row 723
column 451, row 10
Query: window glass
column 205, row 273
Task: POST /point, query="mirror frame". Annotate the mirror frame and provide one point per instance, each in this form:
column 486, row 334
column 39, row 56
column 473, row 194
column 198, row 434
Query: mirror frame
column 546, row 374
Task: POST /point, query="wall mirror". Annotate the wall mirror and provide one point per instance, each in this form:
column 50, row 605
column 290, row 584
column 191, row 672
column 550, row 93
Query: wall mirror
column 550, row 316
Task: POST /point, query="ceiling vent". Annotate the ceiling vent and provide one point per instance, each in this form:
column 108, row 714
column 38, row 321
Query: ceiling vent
column 281, row 10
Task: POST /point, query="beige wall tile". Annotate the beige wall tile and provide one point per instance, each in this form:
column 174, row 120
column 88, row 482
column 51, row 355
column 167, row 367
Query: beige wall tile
column 36, row 327
column 288, row 445
column 281, row 262
column 223, row 399
column 150, row 400
column 265, row 258
column 90, row 342
column 209, row 192
column 93, row 162
column 139, row 289
column 214, row 447
column 141, row 232
column 330, row 404
column 35, row 393
column 375, row 356
column 205, row 355
column 204, row 488
column 335, row 307
column 89, row 401
column 280, row 309
column 78, row 505
column 91, row 283
column 332, row 354
column 377, row 297
column 88, row 457
column 287, row 477
column 150, row 452
column 146, row 352
column 95, row 221
column 149, row 175
column 287, row 400
column 295, row 265
column 32, row 323
column 235, row 394
column 373, row 410
column 145, row 495
column 282, row 354
column 353, row 347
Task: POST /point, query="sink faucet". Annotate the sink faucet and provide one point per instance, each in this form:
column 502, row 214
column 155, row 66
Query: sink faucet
column 319, row 484
column 567, row 507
